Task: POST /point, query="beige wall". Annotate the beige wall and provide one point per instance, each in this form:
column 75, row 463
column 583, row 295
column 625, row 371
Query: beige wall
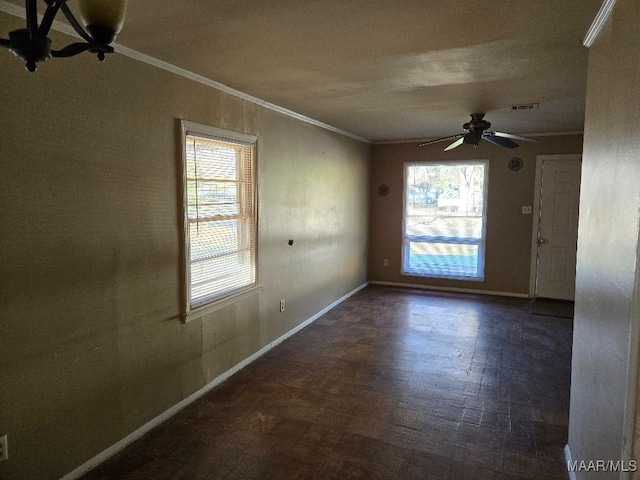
column 91, row 345
column 608, row 245
column 508, row 242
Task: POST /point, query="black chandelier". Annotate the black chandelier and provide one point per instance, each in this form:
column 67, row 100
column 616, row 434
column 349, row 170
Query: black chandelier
column 102, row 20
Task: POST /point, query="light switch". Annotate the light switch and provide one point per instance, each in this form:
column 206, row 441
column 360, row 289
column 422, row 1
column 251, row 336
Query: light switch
column 526, row 210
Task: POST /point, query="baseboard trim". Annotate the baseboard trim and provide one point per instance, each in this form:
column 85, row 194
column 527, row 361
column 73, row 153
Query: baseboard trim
column 147, row 427
column 569, row 460
column 449, row 289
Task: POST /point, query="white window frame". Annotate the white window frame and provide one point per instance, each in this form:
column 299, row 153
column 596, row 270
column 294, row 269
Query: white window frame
column 481, row 243
column 216, row 301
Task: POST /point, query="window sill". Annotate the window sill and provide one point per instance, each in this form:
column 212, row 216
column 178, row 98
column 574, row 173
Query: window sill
column 443, row 277
column 202, row 310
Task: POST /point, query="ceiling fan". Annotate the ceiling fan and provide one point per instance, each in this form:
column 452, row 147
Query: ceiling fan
column 478, row 129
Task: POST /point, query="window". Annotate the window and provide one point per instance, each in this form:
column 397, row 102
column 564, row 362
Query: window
column 444, row 219
column 219, row 213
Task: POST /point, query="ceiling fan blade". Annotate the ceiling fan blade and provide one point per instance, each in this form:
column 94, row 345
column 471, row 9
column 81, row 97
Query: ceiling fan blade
column 451, row 137
column 455, row 144
column 503, row 142
column 511, row 135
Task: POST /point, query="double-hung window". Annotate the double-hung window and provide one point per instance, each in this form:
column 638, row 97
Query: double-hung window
column 219, row 213
column 445, row 212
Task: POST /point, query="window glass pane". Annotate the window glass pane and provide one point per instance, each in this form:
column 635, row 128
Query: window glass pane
column 445, row 200
column 213, row 160
column 208, row 199
column 220, row 214
column 209, row 239
column 444, row 219
column 444, row 259
column 218, row 275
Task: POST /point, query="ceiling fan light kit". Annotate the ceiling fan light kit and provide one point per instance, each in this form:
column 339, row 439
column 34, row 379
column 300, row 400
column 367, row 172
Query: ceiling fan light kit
column 102, row 20
column 478, row 129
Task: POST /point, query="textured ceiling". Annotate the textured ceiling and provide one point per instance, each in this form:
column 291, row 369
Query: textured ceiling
column 384, row 70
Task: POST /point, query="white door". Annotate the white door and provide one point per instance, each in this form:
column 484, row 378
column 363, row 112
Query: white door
column 558, row 229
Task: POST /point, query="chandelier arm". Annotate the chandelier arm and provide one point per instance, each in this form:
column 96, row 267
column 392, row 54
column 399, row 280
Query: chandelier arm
column 49, row 15
column 71, row 50
column 32, row 18
column 75, row 24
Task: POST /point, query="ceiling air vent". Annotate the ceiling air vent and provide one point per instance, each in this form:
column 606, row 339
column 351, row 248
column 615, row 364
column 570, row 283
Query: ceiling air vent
column 524, row 106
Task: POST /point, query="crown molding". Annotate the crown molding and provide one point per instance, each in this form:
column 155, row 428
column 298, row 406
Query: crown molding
column 598, row 22
column 142, row 57
column 553, row 134
column 65, row 28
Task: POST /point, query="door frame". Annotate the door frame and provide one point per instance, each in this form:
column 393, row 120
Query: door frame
column 533, row 270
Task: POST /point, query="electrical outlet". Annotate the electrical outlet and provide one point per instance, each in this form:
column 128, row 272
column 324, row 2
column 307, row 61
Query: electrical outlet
column 4, row 448
column 385, row 262
column 526, row 210
column 282, row 305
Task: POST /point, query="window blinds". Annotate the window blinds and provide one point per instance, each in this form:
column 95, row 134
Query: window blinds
column 221, row 217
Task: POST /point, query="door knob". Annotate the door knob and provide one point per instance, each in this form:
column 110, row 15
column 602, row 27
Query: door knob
column 542, row 241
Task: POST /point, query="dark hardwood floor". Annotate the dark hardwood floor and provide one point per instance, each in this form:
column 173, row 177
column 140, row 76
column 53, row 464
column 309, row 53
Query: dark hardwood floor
column 391, row 384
